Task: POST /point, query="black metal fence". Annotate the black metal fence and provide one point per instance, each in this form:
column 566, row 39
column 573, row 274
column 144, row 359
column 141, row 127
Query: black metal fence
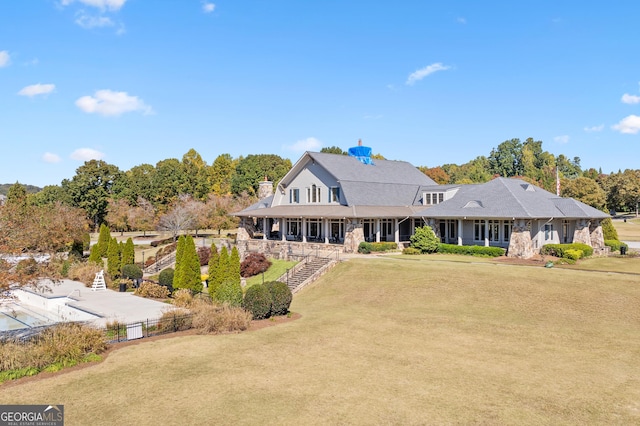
column 121, row 332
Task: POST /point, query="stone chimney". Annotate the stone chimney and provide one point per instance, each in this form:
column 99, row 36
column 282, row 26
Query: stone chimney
column 265, row 189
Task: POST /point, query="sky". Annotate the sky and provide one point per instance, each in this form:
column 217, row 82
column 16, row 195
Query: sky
column 429, row 82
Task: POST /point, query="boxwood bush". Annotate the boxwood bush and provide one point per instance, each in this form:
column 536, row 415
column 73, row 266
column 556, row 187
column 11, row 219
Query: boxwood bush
column 615, row 244
column 257, row 300
column 411, row 250
column 558, row 250
column 281, row 297
column 366, row 247
column 480, row 251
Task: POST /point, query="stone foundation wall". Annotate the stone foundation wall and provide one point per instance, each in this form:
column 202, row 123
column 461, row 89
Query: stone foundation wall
column 287, row 250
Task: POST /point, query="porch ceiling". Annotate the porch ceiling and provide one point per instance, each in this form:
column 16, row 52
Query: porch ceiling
column 333, row 212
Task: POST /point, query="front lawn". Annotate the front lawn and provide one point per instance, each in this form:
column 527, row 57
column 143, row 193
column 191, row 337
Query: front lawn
column 276, row 270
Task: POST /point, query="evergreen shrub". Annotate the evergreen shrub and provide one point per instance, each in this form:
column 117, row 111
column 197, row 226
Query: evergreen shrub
column 411, row 250
column 132, row 272
column 281, row 297
column 381, row 246
column 425, row 240
column 480, row 251
column 558, row 250
column 166, row 278
column 615, row 244
column 257, row 300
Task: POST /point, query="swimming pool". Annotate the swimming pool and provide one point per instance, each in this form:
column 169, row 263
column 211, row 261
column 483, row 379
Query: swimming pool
column 15, row 317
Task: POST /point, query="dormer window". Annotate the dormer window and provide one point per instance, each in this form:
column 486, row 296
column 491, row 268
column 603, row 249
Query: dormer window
column 431, row 198
column 334, row 196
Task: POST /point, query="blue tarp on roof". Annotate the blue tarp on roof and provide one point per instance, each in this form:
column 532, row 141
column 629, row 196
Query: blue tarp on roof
column 362, row 153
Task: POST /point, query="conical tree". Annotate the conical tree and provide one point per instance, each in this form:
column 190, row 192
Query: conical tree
column 177, row 276
column 191, row 276
column 233, row 273
column 128, row 253
column 214, row 260
column 104, row 238
column 94, row 255
column 217, row 275
column 113, row 259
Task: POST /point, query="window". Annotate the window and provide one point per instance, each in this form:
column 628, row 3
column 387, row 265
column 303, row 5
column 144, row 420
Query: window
column 565, row 231
column 334, row 195
column 452, row 229
column 313, row 229
column 548, row 231
column 479, row 230
column 294, row 195
column 507, row 231
column 433, row 198
column 494, row 230
column 313, row 194
column 293, row 228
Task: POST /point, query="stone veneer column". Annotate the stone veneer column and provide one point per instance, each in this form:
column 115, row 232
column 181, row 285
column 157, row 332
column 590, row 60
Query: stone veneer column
column 596, row 235
column 353, row 236
column 581, row 233
column 520, row 241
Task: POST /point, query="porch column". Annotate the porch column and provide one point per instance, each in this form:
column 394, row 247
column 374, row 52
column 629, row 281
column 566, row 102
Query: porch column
column 325, row 230
column 283, row 229
column 396, row 236
column 377, row 230
column 459, row 232
column 304, row 229
column 486, row 233
column 265, row 227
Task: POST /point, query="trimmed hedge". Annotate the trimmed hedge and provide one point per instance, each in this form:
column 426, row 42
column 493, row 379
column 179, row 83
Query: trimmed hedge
column 366, row 247
column 257, row 300
column 480, row 251
column 615, row 244
column 411, row 250
column 132, row 272
column 281, row 297
column 558, row 250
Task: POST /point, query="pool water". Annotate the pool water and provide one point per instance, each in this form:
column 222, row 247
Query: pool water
column 14, row 317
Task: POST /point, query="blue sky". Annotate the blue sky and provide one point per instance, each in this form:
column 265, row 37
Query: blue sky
column 429, row 82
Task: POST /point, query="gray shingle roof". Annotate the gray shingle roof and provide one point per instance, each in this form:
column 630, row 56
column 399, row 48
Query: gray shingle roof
column 503, row 197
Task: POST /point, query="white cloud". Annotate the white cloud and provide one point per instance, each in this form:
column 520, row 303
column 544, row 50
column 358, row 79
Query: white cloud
column 100, row 4
column 49, row 157
column 208, row 7
column 594, row 128
column 5, row 59
column 308, row 144
column 562, row 139
column 88, row 21
column 423, row 72
column 630, row 99
column 629, row 125
column 110, row 103
column 37, row 89
column 86, row 154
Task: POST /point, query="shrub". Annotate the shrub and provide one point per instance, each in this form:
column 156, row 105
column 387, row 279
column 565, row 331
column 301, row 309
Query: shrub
column 257, row 300
column 213, row 319
column 480, row 251
column 573, row 254
column 381, row 246
column 204, row 253
column 425, row 240
column 65, row 344
column 229, row 292
column 281, row 297
column 166, row 278
column 254, row 264
column 411, row 250
column 153, row 290
column 175, row 320
column 558, row 250
column 182, row 298
column 608, row 230
column 615, row 244
column 132, row 272
column 84, row 272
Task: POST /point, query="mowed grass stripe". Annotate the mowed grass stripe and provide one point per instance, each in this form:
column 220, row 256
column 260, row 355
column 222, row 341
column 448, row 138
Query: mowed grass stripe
column 389, row 341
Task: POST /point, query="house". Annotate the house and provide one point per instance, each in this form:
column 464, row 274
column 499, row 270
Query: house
column 333, row 202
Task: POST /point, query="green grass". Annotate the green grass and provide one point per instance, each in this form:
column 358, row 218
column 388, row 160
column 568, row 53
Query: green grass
column 629, row 230
column 275, row 271
column 625, row 264
column 388, row 341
